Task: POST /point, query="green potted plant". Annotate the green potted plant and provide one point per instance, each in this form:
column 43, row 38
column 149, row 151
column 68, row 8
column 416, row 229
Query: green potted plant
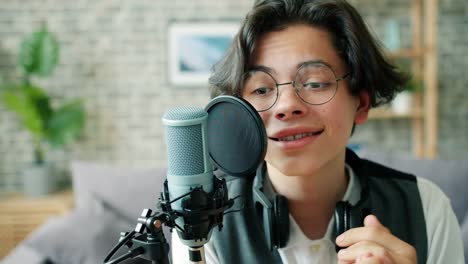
column 46, row 122
column 404, row 101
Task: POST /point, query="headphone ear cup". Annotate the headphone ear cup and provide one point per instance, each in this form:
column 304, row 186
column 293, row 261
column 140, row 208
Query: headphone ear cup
column 342, row 217
column 281, row 221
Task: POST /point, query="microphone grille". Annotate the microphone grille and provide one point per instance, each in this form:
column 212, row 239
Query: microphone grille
column 185, row 113
column 185, row 146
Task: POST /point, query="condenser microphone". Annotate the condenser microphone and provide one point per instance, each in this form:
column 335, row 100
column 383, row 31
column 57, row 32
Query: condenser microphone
column 189, row 167
column 228, row 133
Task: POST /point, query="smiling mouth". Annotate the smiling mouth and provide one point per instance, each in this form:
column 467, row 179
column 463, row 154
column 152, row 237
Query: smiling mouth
column 297, row 136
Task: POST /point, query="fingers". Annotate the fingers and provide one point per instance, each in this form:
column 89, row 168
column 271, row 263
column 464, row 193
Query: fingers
column 364, row 252
column 373, row 243
column 372, row 221
column 368, row 259
column 371, row 259
column 372, row 231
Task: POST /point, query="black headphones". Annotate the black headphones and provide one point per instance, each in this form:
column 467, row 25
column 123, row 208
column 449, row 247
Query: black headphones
column 272, row 209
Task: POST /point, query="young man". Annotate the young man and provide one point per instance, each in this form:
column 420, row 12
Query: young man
column 312, row 71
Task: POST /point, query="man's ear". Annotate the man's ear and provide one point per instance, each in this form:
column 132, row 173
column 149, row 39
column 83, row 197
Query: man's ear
column 362, row 109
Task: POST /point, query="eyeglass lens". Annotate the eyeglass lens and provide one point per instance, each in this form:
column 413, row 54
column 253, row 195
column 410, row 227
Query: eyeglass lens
column 314, row 83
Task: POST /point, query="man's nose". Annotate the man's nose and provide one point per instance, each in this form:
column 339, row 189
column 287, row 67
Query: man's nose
column 288, row 103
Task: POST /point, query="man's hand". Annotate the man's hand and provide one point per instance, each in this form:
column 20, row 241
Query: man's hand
column 373, row 244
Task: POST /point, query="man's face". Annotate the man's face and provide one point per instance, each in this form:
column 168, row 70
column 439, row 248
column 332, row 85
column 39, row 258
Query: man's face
column 304, row 138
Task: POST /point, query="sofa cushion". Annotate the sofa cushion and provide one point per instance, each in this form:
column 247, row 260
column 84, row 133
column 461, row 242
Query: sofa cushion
column 126, row 190
column 83, row 236
column 25, row 254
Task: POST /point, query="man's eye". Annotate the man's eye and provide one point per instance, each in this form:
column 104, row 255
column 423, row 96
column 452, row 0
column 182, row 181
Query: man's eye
column 316, row 85
column 262, row 91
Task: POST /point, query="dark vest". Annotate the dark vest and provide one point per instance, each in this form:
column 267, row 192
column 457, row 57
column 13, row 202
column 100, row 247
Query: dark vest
column 391, row 195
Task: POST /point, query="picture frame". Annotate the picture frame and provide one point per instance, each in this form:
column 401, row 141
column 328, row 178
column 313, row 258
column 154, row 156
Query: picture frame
column 195, row 47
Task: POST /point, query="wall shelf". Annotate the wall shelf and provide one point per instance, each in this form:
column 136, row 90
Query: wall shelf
column 386, row 113
column 406, row 53
column 423, row 57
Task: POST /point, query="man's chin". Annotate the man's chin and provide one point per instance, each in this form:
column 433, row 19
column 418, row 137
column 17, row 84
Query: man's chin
column 292, row 167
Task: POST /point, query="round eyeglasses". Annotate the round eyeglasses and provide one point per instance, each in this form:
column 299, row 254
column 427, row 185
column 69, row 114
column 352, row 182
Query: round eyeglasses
column 315, row 83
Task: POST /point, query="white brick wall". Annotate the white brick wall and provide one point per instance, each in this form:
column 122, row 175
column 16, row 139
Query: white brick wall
column 114, row 55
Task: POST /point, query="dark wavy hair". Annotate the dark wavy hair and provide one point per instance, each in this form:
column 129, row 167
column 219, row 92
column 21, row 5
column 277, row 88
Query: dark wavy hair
column 359, row 50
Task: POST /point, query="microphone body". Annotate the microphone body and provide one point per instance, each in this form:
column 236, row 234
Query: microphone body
column 189, row 168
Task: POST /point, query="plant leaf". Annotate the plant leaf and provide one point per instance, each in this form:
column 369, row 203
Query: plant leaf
column 42, row 103
column 39, row 53
column 30, row 104
column 66, row 123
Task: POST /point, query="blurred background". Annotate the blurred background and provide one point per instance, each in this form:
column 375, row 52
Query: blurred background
column 90, row 80
column 124, row 60
column 116, row 56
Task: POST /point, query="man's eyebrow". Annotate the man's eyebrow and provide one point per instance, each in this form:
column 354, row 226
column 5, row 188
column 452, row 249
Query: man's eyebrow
column 272, row 71
column 262, row 68
column 300, row 64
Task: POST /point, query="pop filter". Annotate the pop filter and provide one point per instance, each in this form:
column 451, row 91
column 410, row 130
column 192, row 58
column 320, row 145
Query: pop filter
column 237, row 140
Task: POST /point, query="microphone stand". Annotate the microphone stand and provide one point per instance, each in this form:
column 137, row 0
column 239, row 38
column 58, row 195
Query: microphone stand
column 197, row 255
column 201, row 212
column 150, row 245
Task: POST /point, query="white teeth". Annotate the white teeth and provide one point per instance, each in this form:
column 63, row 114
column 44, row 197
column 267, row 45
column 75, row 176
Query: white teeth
column 296, row 137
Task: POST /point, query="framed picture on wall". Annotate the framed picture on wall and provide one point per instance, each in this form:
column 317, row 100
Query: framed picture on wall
column 195, row 47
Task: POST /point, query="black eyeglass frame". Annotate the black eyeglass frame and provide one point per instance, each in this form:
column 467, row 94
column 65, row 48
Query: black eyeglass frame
column 293, row 82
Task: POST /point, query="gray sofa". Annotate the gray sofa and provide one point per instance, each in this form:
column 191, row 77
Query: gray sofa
column 109, row 199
